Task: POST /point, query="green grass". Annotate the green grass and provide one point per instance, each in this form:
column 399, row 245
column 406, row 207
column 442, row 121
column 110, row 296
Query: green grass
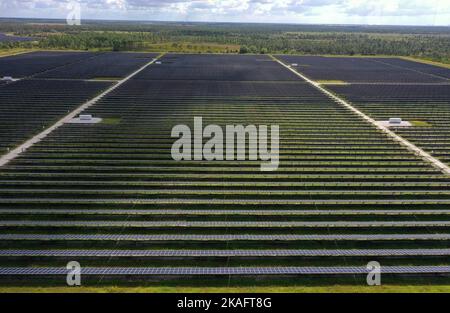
column 9, row 52
column 420, row 124
column 427, row 61
column 274, row 289
column 355, row 283
column 111, row 121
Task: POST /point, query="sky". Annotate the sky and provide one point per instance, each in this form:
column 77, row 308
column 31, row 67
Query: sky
column 372, row 12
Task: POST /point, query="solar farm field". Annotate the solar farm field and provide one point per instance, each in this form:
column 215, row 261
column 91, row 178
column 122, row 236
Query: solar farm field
column 427, row 107
column 29, row 106
column 28, row 64
column 366, row 70
column 111, row 197
column 110, row 65
column 416, row 66
column 223, row 68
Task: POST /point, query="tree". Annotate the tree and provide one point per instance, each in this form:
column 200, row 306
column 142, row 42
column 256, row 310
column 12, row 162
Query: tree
column 244, row 50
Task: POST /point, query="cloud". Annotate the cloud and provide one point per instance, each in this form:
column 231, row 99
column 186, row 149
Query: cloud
column 311, row 11
column 395, row 7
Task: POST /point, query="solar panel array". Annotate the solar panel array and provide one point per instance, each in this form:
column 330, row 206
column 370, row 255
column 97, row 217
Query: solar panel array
column 416, row 66
column 110, row 65
column 55, row 84
column 366, row 70
column 427, row 107
column 186, row 271
column 217, row 225
column 223, row 253
column 290, row 213
column 226, row 69
column 227, row 238
column 344, row 193
column 28, row 64
column 29, row 106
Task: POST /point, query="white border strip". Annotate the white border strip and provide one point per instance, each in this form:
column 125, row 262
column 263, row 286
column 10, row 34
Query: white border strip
column 411, row 147
column 5, row 159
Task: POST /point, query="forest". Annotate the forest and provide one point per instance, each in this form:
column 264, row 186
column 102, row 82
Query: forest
column 432, row 43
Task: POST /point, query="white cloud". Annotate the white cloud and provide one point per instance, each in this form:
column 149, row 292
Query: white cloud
column 417, row 12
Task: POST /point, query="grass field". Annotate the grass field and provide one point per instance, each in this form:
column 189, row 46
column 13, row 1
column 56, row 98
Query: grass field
column 9, row 52
column 426, row 61
column 274, row 289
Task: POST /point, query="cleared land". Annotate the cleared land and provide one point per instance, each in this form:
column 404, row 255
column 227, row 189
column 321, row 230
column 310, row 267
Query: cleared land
column 369, row 198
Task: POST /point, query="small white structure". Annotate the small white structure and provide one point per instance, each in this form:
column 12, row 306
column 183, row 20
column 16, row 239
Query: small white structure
column 8, row 79
column 85, row 119
column 294, row 64
column 395, row 122
column 158, row 62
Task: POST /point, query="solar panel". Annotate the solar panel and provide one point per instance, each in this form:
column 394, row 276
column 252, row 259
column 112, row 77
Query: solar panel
column 359, row 237
column 261, row 224
column 127, row 201
column 223, row 212
column 28, row 106
column 126, row 271
column 27, row 64
column 110, row 64
column 223, row 253
column 118, row 177
column 358, row 70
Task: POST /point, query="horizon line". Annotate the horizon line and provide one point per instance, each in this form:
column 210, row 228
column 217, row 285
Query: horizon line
column 223, row 22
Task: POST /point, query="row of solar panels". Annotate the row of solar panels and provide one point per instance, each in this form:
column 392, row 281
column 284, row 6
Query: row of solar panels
column 221, row 201
column 222, row 212
column 359, row 237
column 19, row 271
column 260, row 224
column 234, row 192
column 224, row 253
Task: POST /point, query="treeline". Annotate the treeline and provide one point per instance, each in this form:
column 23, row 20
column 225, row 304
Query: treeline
column 7, row 45
column 426, row 42
column 116, row 41
column 436, row 47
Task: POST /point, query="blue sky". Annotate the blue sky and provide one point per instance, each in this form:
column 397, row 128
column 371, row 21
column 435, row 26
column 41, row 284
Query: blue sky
column 391, row 12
